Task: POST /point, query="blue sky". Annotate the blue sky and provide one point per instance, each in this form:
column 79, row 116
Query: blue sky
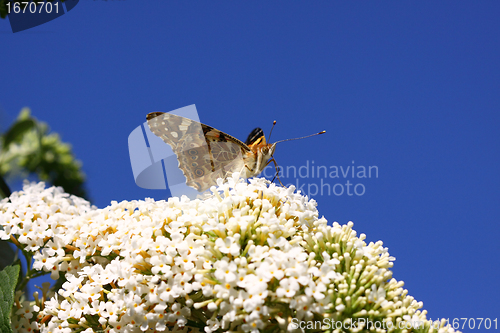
column 409, row 87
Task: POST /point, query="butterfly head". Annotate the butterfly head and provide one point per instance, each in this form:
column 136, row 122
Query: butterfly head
column 262, row 151
column 267, row 150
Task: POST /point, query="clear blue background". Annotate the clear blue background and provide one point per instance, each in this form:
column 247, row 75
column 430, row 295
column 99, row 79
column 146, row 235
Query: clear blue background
column 412, row 87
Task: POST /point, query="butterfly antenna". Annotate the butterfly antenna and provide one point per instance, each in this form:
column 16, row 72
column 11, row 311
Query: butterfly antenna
column 303, row 137
column 269, row 138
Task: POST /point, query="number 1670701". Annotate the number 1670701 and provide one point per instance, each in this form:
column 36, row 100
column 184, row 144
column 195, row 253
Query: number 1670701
column 32, row 7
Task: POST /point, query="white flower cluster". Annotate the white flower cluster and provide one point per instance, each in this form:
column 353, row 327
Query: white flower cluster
column 249, row 258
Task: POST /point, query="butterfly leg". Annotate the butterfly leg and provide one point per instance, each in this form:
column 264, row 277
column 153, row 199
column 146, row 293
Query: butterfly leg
column 277, row 173
column 277, row 170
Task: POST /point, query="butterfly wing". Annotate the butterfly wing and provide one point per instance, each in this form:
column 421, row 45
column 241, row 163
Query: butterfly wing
column 203, row 152
column 256, row 135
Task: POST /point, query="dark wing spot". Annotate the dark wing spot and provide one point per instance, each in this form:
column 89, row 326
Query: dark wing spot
column 222, row 137
column 254, row 136
column 153, row 115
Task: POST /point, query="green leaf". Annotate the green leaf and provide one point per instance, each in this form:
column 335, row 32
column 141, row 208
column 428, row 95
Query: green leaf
column 4, row 189
column 50, row 159
column 17, row 131
column 8, row 255
column 8, row 281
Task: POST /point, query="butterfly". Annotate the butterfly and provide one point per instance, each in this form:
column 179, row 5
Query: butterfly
column 206, row 154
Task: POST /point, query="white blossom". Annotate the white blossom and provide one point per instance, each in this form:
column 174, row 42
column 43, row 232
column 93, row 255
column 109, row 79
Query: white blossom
column 250, row 257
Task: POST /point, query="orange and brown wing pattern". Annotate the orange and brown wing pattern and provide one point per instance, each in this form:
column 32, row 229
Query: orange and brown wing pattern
column 203, row 152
